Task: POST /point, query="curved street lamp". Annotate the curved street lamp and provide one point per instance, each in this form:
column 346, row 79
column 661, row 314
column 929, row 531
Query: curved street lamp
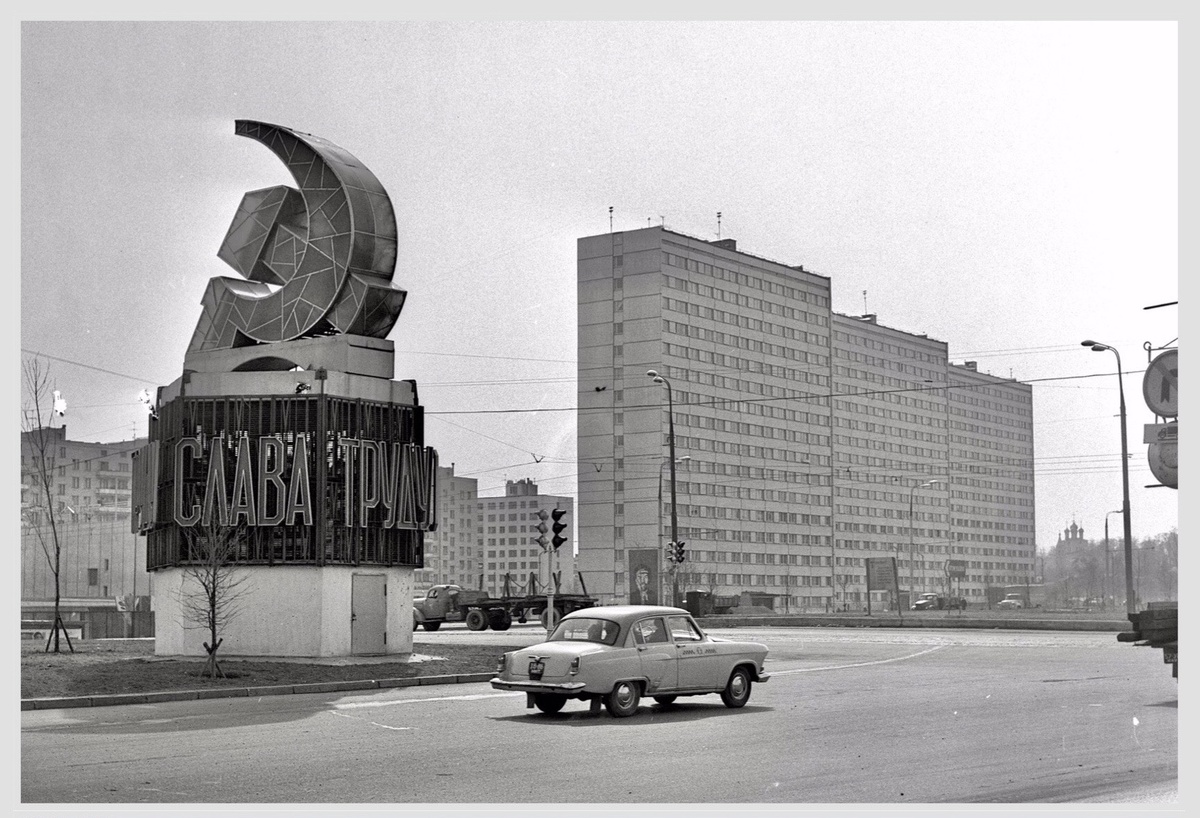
column 671, row 453
column 1130, row 607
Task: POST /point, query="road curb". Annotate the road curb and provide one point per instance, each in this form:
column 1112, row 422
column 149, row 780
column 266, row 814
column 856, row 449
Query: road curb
column 111, row 700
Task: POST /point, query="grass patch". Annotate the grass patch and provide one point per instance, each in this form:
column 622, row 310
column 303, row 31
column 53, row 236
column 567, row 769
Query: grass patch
column 114, row 666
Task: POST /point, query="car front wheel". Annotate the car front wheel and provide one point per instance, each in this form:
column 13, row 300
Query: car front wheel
column 665, row 699
column 623, row 700
column 737, row 689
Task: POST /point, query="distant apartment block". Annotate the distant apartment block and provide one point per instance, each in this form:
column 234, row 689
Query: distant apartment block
column 509, row 528
column 101, row 559
column 481, row 541
column 802, row 437
column 452, row 551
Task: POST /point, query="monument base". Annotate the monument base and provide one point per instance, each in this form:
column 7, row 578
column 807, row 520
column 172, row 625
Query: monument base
column 291, row 610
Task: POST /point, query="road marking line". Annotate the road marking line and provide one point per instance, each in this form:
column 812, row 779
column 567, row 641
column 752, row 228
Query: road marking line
column 372, row 723
column 465, row 698
column 858, row 664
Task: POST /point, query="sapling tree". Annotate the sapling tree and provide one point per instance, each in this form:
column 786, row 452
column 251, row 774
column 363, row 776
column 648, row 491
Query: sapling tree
column 213, row 585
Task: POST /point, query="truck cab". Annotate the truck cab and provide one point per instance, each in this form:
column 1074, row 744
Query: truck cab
column 440, row 604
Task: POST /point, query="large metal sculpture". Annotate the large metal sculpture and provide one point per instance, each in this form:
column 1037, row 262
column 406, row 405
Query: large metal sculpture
column 316, row 261
column 287, row 427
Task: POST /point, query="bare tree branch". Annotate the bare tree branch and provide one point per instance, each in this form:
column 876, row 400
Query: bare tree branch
column 37, row 439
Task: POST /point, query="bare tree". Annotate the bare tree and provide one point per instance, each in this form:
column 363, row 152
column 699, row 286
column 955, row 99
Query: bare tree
column 212, row 601
column 844, row 580
column 1167, row 545
column 38, row 439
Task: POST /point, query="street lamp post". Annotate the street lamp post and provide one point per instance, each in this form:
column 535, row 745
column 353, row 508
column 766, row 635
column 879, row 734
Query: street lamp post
column 671, row 452
column 911, row 550
column 1130, row 608
column 1107, row 565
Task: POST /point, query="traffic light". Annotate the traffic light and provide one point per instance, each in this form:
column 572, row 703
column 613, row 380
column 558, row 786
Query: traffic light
column 558, row 527
column 671, row 552
column 679, row 555
column 542, row 529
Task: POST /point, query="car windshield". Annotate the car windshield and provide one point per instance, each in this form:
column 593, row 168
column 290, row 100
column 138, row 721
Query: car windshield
column 585, row 629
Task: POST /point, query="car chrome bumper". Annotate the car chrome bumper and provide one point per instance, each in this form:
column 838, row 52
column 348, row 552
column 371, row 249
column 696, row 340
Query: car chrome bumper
column 566, row 688
column 762, row 677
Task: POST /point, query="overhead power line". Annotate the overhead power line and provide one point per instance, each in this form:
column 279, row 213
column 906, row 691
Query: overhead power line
column 88, row 366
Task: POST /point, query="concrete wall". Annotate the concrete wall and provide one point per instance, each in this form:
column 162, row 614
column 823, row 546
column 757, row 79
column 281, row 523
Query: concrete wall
column 287, row 610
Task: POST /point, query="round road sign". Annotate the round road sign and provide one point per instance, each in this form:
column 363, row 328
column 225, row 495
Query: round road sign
column 1160, row 384
column 1164, row 463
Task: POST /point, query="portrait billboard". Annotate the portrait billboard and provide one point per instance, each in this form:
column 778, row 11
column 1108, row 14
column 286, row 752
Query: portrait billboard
column 644, row 576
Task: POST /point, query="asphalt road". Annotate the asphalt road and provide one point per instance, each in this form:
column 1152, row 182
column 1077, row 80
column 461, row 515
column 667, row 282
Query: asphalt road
column 849, row 717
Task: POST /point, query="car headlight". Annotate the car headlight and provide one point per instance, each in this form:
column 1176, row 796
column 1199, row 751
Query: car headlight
column 502, row 665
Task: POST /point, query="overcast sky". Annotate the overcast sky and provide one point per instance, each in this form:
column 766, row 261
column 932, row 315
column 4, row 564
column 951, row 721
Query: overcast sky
column 1008, row 188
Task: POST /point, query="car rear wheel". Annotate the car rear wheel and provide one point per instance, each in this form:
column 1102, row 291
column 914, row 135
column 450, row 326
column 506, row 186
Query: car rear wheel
column 549, row 703
column 737, row 689
column 665, row 699
column 431, row 626
column 623, row 700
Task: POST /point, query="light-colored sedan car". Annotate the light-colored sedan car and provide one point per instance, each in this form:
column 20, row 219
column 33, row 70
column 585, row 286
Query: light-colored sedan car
column 617, row 654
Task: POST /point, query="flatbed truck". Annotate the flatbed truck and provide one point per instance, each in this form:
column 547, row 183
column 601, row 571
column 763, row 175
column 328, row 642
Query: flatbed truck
column 452, row 603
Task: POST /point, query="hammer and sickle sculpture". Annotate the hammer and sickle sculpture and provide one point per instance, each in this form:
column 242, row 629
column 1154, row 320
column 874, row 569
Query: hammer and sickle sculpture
column 315, row 261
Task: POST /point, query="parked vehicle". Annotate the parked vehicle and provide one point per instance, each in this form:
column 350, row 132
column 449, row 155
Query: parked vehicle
column 936, row 602
column 1031, row 596
column 1011, row 602
column 1156, row 627
column 452, row 603
column 929, row 602
column 616, row 655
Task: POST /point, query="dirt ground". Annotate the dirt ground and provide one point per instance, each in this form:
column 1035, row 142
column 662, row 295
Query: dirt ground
column 106, row 666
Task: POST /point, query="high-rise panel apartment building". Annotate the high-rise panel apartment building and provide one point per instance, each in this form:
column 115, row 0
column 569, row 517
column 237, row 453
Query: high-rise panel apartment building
column 805, row 441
